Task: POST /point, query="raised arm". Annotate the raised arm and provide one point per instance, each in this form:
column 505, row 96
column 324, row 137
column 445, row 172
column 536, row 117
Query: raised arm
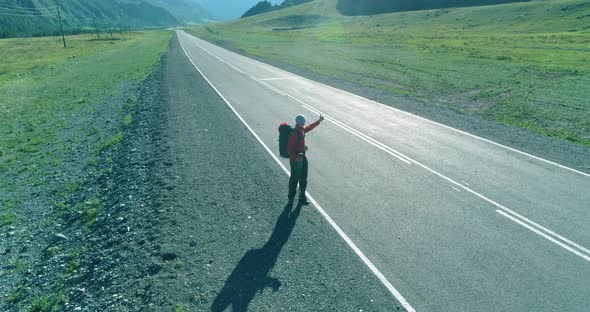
column 313, row 125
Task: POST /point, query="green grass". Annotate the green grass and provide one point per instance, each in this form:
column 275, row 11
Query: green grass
column 19, row 266
column 16, row 296
column 127, row 120
column 42, row 87
column 525, row 64
column 7, row 218
column 41, row 83
column 113, row 141
column 49, row 303
column 90, row 210
column 52, row 251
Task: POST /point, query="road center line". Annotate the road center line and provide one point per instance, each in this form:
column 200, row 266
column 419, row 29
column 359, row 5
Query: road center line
column 408, row 160
column 585, row 257
column 270, row 87
column 504, row 208
column 281, row 78
column 359, row 134
column 413, row 115
column 340, row 232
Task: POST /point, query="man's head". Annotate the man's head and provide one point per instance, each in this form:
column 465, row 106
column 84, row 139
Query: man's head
column 300, row 120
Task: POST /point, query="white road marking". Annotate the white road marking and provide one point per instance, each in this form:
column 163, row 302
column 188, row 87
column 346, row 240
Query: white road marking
column 345, row 237
column 261, row 81
column 271, row 87
column 585, row 257
column 281, row 78
column 409, row 160
column 364, row 137
column 414, row 115
column 465, row 183
column 456, row 189
column 542, row 228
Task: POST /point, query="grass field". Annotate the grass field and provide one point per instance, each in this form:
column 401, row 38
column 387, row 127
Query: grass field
column 42, row 83
column 55, row 133
column 524, row 64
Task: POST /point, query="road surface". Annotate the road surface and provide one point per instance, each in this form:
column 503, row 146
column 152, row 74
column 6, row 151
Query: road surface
column 446, row 220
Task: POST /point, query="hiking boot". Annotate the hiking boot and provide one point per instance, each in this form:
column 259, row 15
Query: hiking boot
column 303, row 201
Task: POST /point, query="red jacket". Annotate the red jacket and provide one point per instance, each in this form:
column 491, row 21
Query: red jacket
column 296, row 142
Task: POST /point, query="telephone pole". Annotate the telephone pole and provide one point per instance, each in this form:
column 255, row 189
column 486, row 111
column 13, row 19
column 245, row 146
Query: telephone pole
column 61, row 28
column 96, row 28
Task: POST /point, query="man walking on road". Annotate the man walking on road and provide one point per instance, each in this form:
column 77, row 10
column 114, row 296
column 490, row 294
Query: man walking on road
column 298, row 160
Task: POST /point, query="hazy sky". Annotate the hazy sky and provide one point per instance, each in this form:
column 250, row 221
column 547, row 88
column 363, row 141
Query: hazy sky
column 230, row 9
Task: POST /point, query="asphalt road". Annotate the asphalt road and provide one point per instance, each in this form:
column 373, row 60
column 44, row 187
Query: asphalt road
column 452, row 222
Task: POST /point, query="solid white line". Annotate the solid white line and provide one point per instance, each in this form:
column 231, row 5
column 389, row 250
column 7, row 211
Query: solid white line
column 460, row 185
column 408, row 159
column 282, row 78
column 350, row 243
column 573, row 244
column 359, row 134
column 271, row 87
column 410, row 114
column 261, row 81
column 585, row 257
column 224, row 61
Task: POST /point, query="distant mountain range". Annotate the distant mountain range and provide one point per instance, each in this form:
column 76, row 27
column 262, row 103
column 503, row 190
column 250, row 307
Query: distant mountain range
column 224, row 10
column 36, row 18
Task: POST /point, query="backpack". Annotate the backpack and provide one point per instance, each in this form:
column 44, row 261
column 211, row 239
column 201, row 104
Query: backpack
column 284, row 132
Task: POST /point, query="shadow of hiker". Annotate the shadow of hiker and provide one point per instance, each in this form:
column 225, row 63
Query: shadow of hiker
column 251, row 275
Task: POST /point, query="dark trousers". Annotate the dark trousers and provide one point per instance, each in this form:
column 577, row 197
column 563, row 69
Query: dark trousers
column 298, row 175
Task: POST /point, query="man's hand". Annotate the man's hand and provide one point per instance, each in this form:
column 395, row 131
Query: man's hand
column 321, row 118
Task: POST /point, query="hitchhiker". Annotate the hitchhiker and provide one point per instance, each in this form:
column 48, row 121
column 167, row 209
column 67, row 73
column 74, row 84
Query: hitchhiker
column 298, row 159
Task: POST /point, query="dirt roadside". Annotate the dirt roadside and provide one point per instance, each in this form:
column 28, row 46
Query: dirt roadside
column 198, row 219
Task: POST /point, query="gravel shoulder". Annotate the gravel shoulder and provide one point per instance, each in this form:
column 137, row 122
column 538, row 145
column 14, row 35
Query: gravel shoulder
column 560, row 151
column 197, row 218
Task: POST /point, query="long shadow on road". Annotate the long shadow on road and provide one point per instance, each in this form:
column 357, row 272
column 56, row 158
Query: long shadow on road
column 251, row 275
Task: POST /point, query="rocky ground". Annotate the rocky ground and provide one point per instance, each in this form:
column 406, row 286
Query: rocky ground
column 191, row 214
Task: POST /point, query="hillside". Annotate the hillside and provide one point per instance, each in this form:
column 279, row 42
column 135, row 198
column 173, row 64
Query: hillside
column 187, row 11
column 265, row 6
column 367, row 7
column 39, row 17
column 522, row 64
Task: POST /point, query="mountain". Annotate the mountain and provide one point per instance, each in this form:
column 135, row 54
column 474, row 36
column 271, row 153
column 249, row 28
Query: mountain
column 37, row 18
column 187, row 11
column 259, row 8
column 266, row 6
column 368, row 7
column 224, row 10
